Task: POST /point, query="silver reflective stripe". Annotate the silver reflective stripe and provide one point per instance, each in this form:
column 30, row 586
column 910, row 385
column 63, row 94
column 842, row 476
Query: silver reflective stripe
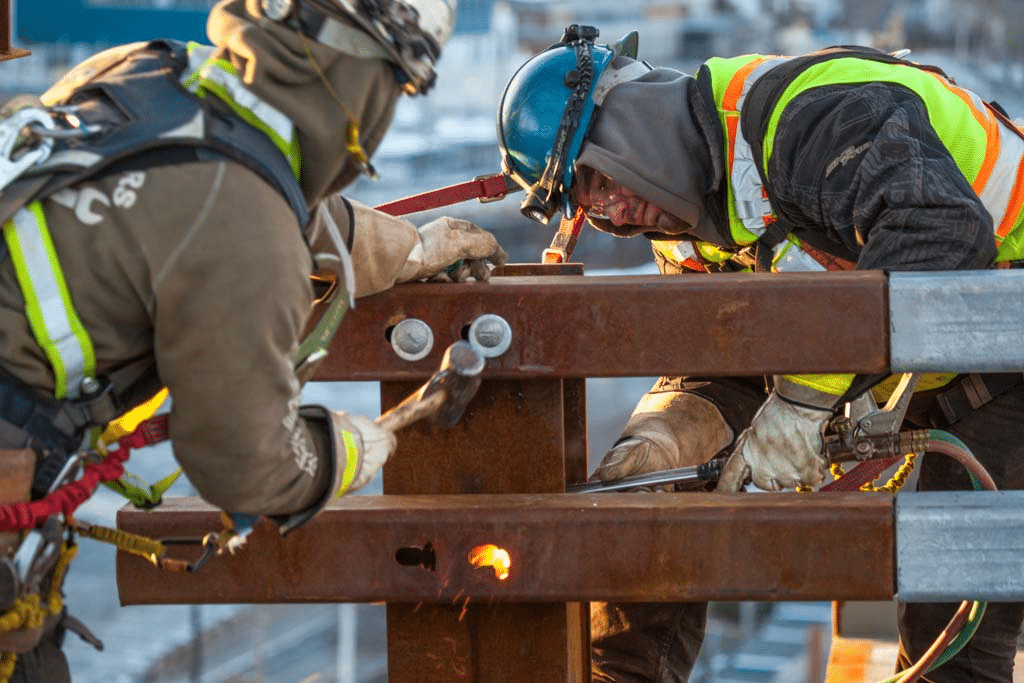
column 748, row 190
column 998, row 190
column 790, row 258
column 48, row 305
column 956, row 321
column 200, row 64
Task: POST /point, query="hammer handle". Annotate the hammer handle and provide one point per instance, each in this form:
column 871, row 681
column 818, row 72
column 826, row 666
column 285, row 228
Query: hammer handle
column 410, row 410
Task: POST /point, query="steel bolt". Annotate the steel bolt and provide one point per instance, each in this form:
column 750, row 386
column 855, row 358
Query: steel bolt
column 412, row 339
column 491, row 334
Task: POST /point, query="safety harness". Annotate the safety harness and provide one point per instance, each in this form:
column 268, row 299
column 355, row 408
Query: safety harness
column 160, row 102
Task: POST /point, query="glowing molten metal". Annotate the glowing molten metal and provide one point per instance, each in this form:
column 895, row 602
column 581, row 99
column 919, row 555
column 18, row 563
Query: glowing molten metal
column 491, row 555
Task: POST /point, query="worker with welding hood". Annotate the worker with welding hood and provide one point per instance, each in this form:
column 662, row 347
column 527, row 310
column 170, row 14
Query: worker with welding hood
column 167, row 211
column 844, row 158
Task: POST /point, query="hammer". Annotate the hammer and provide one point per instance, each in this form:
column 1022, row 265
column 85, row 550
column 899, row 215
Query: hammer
column 445, row 395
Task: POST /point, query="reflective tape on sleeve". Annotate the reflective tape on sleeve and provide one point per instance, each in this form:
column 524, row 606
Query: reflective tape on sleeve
column 51, row 313
column 351, row 462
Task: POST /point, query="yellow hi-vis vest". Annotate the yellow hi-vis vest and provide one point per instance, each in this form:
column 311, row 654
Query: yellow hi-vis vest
column 987, row 148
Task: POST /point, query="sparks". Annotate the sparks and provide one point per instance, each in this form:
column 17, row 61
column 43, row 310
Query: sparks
column 491, row 556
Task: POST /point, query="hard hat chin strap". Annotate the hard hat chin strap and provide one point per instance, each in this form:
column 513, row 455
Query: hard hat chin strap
column 543, row 197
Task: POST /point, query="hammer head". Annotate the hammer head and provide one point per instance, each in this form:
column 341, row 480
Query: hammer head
column 458, row 377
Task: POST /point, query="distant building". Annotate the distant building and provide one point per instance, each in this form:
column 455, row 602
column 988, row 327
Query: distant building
column 670, row 30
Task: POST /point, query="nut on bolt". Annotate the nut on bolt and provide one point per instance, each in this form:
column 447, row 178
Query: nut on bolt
column 491, row 334
column 412, row 339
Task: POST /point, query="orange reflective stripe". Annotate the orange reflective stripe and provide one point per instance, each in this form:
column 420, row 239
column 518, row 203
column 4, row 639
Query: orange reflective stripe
column 1013, row 208
column 986, row 121
column 731, row 122
column 735, row 87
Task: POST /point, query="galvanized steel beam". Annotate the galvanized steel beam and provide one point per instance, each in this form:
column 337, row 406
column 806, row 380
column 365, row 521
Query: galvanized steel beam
column 562, row 547
column 960, row 321
column 956, row 545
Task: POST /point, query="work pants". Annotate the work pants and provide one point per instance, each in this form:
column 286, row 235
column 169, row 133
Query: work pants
column 655, row 642
column 995, row 435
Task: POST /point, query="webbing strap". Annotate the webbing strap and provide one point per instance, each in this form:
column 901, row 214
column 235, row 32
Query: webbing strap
column 484, row 188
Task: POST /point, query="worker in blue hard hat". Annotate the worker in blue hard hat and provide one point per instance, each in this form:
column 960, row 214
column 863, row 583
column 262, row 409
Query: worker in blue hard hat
column 168, row 212
column 840, row 159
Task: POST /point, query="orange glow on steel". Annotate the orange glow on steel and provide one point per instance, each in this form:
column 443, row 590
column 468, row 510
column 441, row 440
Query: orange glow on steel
column 491, row 556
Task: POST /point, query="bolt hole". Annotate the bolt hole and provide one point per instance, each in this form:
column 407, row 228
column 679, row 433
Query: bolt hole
column 417, row 557
column 465, row 332
column 387, row 332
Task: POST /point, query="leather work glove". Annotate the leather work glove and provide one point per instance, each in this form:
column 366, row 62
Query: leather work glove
column 452, row 249
column 361, row 448
column 782, row 448
column 667, row 429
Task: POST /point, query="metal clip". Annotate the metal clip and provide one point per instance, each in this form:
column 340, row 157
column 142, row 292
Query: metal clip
column 37, row 555
column 11, row 135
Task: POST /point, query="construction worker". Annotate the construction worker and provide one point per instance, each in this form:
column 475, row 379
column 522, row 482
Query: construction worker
column 844, row 158
column 165, row 206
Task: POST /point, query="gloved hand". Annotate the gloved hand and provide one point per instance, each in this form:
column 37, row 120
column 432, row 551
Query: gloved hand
column 361, row 448
column 667, row 429
column 447, row 242
column 782, row 448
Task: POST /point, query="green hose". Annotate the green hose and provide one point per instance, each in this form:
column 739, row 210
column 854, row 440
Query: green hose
column 977, row 607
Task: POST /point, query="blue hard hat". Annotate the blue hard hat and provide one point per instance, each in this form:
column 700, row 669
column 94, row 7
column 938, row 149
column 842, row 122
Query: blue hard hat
column 545, row 113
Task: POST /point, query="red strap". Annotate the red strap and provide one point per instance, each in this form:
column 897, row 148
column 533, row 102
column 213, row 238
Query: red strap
column 492, row 187
column 861, row 474
column 66, row 499
column 564, row 241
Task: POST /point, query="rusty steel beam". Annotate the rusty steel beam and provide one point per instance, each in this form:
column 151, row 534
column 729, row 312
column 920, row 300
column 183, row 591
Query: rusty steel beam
column 542, row 420
column 563, row 547
column 6, row 50
column 621, row 326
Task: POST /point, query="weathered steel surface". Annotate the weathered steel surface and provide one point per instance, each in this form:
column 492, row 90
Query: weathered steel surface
column 611, row 546
column 969, row 321
column 956, row 545
column 543, row 423
column 575, row 326
column 475, row 456
column 6, row 51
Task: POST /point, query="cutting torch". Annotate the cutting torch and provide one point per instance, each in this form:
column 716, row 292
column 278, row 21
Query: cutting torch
column 863, row 432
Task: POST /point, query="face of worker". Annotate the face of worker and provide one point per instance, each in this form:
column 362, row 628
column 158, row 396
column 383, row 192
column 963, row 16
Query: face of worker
column 604, row 199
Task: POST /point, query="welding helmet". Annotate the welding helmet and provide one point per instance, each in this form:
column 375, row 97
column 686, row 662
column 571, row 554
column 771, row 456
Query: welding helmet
column 412, row 33
column 545, row 113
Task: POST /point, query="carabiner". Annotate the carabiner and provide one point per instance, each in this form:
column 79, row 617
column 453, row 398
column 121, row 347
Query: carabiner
column 11, row 135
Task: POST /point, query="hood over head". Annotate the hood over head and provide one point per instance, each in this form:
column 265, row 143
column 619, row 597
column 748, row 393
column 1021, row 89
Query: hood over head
column 273, row 62
column 646, row 137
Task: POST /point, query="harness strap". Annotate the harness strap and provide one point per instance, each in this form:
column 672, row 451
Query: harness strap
column 972, row 391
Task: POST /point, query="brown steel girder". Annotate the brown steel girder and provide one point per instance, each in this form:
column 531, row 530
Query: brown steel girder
column 622, row 326
column 563, row 547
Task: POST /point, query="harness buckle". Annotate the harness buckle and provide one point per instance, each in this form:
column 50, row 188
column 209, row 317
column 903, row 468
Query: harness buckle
column 11, row 137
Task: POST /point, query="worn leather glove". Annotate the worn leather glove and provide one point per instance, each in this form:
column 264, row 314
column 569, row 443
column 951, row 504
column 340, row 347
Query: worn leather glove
column 782, row 448
column 452, row 249
column 667, row 429
column 361, row 448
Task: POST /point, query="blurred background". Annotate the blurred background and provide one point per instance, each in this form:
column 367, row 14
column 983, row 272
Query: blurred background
column 445, row 138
